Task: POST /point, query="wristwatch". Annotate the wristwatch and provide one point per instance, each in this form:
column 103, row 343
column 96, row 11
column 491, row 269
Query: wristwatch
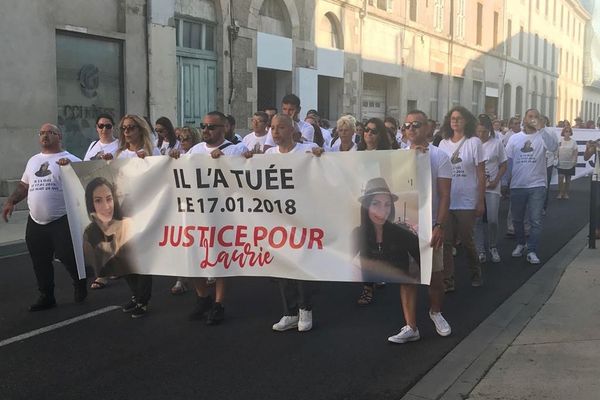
column 439, row 225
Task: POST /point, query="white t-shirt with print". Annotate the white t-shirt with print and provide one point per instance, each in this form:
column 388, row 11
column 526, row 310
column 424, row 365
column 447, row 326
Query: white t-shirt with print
column 528, row 154
column 298, row 148
column 493, row 155
column 255, row 143
column 231, row 150
column 464, row 171
column 567, row 154
column 337, row 144
column 133, row 154
column 440, row 168
column 98, row 149
column 165, row 148
column 45, row 196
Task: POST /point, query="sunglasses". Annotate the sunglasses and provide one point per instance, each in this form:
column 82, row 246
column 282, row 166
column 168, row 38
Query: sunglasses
column 42, row 133
column 126, row 128
column 414, row 124
column 210, row 127
column 371, row 130
column 107, row 126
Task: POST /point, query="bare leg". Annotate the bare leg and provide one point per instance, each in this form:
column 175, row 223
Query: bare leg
column 200, row 286
column 219, row 290
column 408, row 297
column 436, row 291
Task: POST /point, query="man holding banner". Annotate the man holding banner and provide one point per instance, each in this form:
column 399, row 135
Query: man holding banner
column 47, row 234
column 215, row 144
column 297, row 307
column 416, row 130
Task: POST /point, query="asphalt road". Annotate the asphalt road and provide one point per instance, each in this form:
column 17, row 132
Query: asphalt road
column 163, row 355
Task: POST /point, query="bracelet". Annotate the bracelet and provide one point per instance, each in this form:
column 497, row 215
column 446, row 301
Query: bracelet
column 438, row 225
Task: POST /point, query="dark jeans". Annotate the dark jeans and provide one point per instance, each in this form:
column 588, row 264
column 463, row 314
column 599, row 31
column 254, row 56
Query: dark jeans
column 46, row 242
column 295, row 295
column 141, row 287
column 549, row 171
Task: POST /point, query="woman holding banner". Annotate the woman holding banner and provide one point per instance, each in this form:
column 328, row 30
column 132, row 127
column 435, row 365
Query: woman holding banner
column 345, row 128
column 384, row 247
column 375, row 137
column 135, row 138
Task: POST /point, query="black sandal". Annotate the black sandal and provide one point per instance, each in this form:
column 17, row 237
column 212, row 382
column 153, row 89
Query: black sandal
column 366, row 297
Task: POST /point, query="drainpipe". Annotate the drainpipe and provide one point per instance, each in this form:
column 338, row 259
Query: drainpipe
column 362, row 13
column 148, row 51
column 450, row 58
column 232, row 34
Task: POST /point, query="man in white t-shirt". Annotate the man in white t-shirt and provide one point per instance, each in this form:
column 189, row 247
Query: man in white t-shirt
column 290, row 105
column 526, row 151
column 255, row 140
column 416, row 129
column 215, row 144
column 297, row 311
column 47, row 234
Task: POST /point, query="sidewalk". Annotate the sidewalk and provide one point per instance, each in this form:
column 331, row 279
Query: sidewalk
column 542, row 343
column 12, row 234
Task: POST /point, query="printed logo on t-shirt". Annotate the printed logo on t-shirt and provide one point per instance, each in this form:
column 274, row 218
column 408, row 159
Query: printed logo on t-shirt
column 455, row 159
column 44, row 170
column 527, row 147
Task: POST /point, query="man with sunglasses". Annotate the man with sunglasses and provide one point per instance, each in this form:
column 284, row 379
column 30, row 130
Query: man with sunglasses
column 106, row 145
column 417, row 130
column 214, row 144
column 47, row 234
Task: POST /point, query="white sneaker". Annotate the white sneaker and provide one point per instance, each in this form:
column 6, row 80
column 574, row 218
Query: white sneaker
column 532, row 258
column 286, row 322
column 482, row 258
column 441, row 325
column 519, row 250
column 407, row 334
column 305, row 320
column 495, row 255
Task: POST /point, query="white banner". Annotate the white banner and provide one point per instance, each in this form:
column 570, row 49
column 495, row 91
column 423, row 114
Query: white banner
column 584, row 168
column 286, row 215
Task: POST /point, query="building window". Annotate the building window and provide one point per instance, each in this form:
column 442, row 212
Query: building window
column 519, row 100
column 413, row 10
column 536, row 49
column 329, row 35
column 457, row 84
column 554, row 12
column 521, row 43
column 460, row 19
column 479, row 24
column 509, row 38
column 562, row 16
column 553, row 62
column 545, row 50
column 435, row 95
column 476, row 97
column 195, row 35
column 438, row 15
column 89, row 82
column 495, row 37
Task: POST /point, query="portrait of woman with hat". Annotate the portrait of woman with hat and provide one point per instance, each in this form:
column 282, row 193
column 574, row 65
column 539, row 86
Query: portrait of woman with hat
column 384, row 248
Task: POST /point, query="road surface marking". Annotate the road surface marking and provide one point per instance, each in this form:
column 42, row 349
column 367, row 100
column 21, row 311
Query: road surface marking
column 58, row 325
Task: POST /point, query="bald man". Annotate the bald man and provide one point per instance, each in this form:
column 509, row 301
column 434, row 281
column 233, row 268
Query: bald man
column 47, row 234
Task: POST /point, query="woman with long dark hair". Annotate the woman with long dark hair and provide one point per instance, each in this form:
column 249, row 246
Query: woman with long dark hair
column 468, row 190
column 167, row 138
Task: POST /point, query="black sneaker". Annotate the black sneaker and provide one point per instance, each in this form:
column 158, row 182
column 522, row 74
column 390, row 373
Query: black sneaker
column 203, row 305
column 43, row 303
column 216, row 314
column 80, row 292
column 130, row 306
column 139, row 311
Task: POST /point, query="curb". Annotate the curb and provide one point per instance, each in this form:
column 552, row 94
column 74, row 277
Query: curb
column 455, row 376
column 15, row 248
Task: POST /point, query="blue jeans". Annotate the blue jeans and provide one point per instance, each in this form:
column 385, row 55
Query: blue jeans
column 532, row 199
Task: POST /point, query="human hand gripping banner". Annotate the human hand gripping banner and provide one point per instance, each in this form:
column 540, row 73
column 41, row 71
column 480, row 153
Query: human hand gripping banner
column 352, row 216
